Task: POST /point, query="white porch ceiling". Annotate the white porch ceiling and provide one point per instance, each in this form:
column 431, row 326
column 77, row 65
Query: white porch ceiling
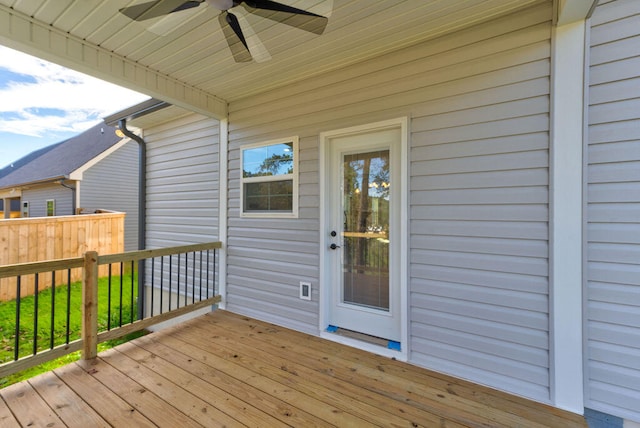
column 189, row 65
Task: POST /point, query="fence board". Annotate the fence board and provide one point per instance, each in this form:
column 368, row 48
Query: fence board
column 26, row 240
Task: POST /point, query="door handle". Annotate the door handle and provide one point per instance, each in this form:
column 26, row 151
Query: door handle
column 334, row 246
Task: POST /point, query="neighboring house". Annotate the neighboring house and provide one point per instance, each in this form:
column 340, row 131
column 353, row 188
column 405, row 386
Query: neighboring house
column 470, row 196
column 94, row 170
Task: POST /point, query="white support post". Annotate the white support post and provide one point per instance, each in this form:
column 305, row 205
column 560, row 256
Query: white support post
column 567, row 128
column 223, row 166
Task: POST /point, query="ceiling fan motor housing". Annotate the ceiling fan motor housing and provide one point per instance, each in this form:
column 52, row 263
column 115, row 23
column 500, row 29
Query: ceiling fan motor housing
column 224, row 4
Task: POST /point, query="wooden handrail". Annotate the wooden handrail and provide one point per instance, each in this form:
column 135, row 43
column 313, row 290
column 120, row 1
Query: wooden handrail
column 37, row 267
column 130, row 256
column 90, row 267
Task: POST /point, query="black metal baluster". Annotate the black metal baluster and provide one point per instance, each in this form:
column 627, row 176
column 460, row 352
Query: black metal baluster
column 16, row 350
column 121, row 292
column 214, row 272
column 178, row 276
column 207, row 274
column 200, row 297
column 170, row 278
column 161, row 283
column 153, row 283
column 68, row 305
column 53, row 309
column 36, row 309
column 193, row 282
column 109, row 298
column 132, row 287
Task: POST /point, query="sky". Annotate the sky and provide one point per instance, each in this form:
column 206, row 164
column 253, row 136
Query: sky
column 43, row 103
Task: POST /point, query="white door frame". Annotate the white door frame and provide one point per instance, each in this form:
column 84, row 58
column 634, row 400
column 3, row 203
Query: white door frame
column 402, row 124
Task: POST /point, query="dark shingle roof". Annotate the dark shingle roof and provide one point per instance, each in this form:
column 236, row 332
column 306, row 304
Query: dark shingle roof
column 59, row 160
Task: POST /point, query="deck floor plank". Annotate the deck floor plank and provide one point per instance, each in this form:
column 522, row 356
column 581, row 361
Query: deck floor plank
column 224, row 369
column 116, row 411
column 308, row 405
column 367, row 375
column 6, row 417
column 28, row 407
column 73, row 411
column 455, row 394
column 145, row 401
column 204, row 402
column 312, row 377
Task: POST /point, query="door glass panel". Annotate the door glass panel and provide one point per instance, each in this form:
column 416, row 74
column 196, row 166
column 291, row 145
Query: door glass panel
column 365, row 236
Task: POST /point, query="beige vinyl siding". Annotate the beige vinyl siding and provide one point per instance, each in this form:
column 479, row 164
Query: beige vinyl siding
column 478, row 103
column 613, row 212
column 182, row 199
column 112, row 184
column 182, row 182
column 37, row 197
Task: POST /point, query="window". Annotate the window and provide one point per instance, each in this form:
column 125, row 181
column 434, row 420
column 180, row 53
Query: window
column 51, row 207
column 269, row 185
column 25, row 208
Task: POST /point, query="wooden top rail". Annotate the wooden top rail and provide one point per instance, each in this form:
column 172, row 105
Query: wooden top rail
column 130, row 256
column 38, row 267
column 78, row 262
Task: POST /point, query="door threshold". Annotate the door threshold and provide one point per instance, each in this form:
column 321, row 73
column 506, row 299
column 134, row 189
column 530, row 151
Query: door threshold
column 373, row 344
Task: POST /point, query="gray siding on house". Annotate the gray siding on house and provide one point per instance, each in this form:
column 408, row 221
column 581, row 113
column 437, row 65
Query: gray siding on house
column 38, row 196
column 613, row 212
column 182, row 182
column 478, row 102
column 112, row 184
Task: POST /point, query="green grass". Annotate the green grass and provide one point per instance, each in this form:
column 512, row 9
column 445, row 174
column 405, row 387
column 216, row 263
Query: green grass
column 57, row 298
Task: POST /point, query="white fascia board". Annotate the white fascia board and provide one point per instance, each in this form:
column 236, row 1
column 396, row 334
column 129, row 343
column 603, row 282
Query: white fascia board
column 77, row 174
column 566, row 209
column 26, row 34
column 568, row 11
column 11, row 193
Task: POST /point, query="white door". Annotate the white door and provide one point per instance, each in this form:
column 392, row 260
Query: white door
column 363, row 242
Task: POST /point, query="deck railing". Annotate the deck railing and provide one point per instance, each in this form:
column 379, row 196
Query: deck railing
column 110, row 301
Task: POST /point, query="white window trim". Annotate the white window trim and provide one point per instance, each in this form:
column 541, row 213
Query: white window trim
column 46, row 207
column 293, row 176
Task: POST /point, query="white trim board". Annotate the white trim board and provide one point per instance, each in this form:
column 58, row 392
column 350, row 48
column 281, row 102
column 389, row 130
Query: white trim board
column 565, row 241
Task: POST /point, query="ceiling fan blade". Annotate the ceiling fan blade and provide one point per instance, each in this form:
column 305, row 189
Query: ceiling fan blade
column 285, row 14
column 235, row 38
column 258, row 50
column 154, row 9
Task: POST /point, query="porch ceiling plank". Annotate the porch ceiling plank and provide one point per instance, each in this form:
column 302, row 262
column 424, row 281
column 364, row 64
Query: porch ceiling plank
column 184, row 59
column 22, row 32
column 28, row 407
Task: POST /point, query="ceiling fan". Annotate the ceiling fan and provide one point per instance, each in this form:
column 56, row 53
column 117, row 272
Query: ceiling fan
column 231, row 27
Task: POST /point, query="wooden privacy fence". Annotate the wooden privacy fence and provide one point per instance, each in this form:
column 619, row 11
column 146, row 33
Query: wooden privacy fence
column 28, row 240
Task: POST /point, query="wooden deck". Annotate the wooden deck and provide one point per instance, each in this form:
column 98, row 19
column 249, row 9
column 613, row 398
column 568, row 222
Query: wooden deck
column 226, row 370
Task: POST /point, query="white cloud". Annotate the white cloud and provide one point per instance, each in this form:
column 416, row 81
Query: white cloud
column 78, row 101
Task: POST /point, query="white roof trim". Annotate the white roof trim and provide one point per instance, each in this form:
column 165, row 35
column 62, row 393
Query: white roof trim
column 569, row 11
column 27, row 34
